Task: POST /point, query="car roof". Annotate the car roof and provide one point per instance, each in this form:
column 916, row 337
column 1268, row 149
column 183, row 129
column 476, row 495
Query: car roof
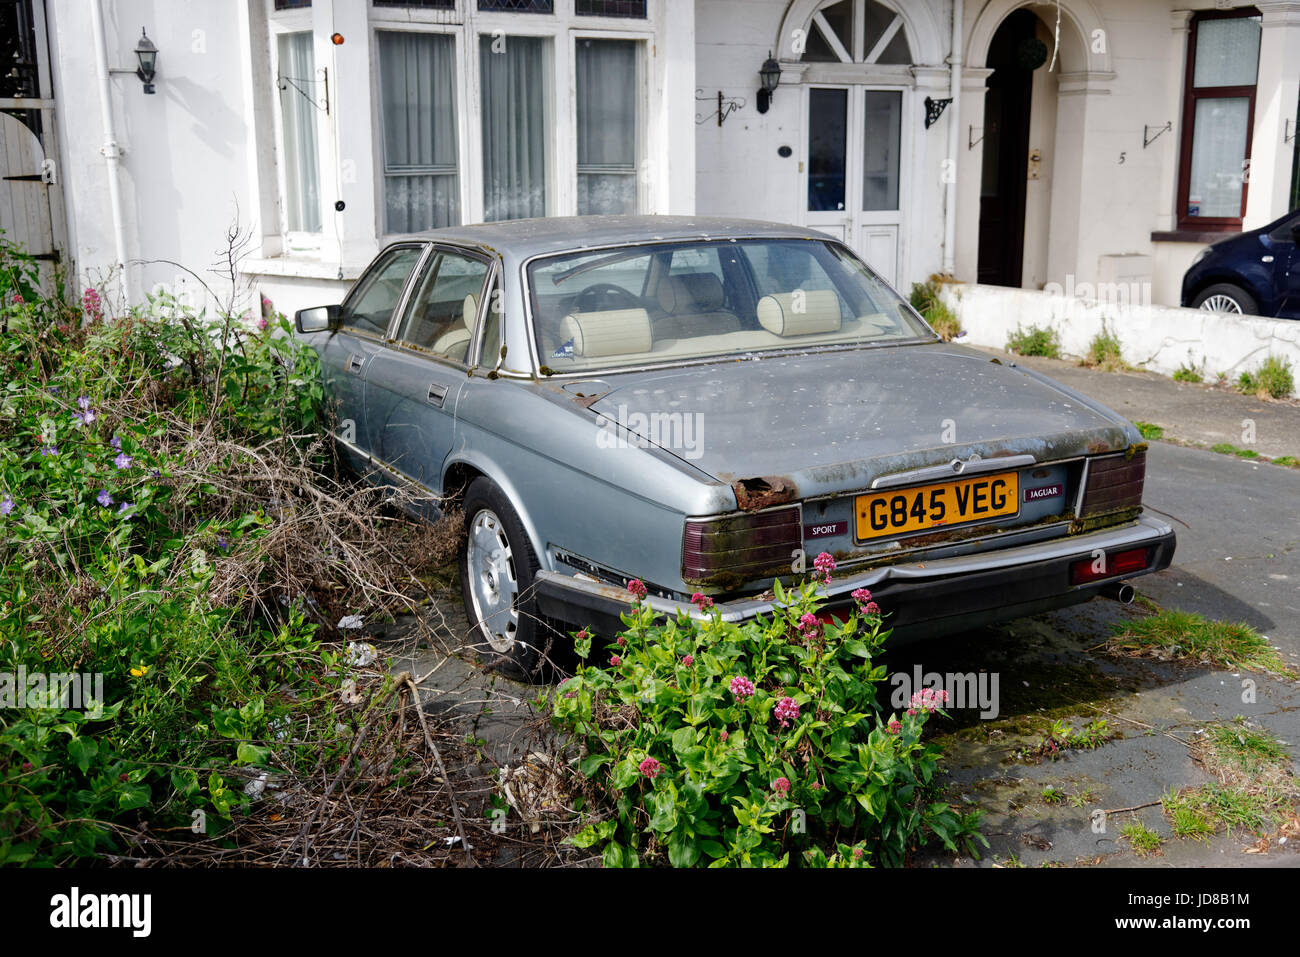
column 521, row 239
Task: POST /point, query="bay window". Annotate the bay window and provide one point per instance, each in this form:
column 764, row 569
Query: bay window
column 515, row 91
column 608, row 83
column 417, row 96
column 1218, row 116
column 298, row 133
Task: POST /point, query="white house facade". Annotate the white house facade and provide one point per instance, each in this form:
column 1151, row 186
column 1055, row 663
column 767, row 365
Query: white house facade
column 1002, row 142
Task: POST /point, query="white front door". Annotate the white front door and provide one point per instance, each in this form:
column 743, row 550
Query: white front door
column 853, row 170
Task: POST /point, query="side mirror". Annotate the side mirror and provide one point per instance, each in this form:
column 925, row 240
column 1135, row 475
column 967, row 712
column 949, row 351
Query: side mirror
column 319, row 319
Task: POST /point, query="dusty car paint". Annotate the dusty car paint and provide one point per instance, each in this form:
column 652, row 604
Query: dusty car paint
column 806, row 428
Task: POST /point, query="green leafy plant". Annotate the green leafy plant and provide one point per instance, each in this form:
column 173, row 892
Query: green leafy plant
column 1189, row 373
column 1143, row 840
column 705, row 742
column 1105, row 351
column 1150, row 430
column 1273, row 379
column 1035, row 341
column 926, row 300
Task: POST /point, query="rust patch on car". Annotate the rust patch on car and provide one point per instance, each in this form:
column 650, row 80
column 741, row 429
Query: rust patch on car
column 1097, row 446
column 765, row 491
column 1117, row 517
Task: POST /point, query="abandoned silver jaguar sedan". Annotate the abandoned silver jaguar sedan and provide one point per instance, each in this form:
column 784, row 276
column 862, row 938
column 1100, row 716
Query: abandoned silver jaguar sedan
column 701, row 403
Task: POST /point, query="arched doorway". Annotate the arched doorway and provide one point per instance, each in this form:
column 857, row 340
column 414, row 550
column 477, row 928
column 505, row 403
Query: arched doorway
column 1028, row 125
column 856, row 58
column 1015, row 53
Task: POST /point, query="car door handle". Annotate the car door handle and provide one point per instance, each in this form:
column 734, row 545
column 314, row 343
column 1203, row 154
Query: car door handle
column 355, row 362
column 437, row 394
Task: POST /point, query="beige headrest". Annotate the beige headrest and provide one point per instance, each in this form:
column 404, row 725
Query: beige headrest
column 469, row 312
column 616, row 332
column 800, row 313
column 695, row 292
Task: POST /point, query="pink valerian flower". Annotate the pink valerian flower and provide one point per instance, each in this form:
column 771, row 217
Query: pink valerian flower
column 895, row 726
column 688, row 660
column 17, row 299
column 651, row 768
column 857, row 853
column 582, row 635
column 703, row 601
column 637, row 588
column 912, row 712
column 615, row 661
column 91, row 303
column 262, row 324
column 809, row 626
column 786, row 710
column 621, row 641
column 824, row 564
column 871, row 608
column 865, row 605
column 781, row 786
column 741, row 687
column 929, row 699
column 816, row 786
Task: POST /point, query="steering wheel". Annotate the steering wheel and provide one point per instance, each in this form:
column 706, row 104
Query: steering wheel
column 603, row 296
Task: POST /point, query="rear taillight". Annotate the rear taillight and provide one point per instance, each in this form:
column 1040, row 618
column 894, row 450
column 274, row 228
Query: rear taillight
column 731, row 551
column 1127, row 562
column 1114, row 484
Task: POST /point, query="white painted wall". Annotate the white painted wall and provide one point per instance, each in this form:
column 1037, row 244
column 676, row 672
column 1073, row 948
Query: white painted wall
column 1156, row 338
column 184, row 177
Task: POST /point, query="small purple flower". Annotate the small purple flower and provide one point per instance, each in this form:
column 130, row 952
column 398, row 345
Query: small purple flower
column 103, row 498
column 50, row 451
column 6, row 505
column 116, row 442
column 122, row 460
column 741, row 687
column 124, row 506
column 786, row 710
column 83, row 402
column 222, row 543
column 824, row 565
column 156, row 474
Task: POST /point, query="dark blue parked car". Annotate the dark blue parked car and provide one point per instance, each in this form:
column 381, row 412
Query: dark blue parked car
column 1256, row 273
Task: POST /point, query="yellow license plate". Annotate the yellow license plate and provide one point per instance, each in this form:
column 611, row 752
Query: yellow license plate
column 898, row 512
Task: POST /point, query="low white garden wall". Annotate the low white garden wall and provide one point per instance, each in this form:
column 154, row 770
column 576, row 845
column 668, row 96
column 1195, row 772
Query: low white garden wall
column 1156, row 338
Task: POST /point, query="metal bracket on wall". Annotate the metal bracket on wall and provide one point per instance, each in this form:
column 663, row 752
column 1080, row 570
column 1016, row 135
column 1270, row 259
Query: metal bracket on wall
column 971, row 143
column 1288, row 137
column 283, row 82
column 934, row 109
column 726, row 106
column 1148, row 139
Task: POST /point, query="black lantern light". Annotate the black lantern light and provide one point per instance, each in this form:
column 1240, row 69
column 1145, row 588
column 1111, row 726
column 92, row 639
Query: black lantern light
column 147, row 54
column 771, row 76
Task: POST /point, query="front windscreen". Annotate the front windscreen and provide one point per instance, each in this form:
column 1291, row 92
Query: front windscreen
column 670, row 302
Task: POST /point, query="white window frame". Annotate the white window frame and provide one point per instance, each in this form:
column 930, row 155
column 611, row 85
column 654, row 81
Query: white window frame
column 644, row 41
column 563, row 28
column 279, row 22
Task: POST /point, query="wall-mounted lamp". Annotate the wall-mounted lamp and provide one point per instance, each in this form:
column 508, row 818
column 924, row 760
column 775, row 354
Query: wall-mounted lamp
column 147, row 54
column 770, row 73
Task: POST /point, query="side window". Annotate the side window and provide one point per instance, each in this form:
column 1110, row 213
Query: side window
column 370, row 308
column 446, row 305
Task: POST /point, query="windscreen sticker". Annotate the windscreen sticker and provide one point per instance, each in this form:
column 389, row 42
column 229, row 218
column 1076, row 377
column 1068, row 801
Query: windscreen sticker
column 564, row 352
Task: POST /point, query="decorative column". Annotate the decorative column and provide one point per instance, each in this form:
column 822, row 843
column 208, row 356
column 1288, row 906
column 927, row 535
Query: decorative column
column 1276, row 94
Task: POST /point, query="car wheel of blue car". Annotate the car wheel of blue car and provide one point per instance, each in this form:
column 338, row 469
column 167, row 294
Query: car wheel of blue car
column 497, row 565
column 1225, row 297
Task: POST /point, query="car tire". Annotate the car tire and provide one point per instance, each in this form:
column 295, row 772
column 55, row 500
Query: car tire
column 497, row 569
column 1225, row 297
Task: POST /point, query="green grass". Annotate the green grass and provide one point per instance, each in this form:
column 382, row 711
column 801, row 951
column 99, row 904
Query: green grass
column 1053, row 795
column 1105, row 351
column 1273, row 379
column 1224, row 448
column 925, row 300
column 1249, row 749
column 1144, row 840
column 1035, row 341
column 1150, row 430
column 1288, row 460
column 1187, row 373
column 1215, row 806
column 1183, row 634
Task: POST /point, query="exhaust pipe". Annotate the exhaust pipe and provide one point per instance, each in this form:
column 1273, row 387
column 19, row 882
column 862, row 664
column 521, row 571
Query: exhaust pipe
column 1121, row 592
